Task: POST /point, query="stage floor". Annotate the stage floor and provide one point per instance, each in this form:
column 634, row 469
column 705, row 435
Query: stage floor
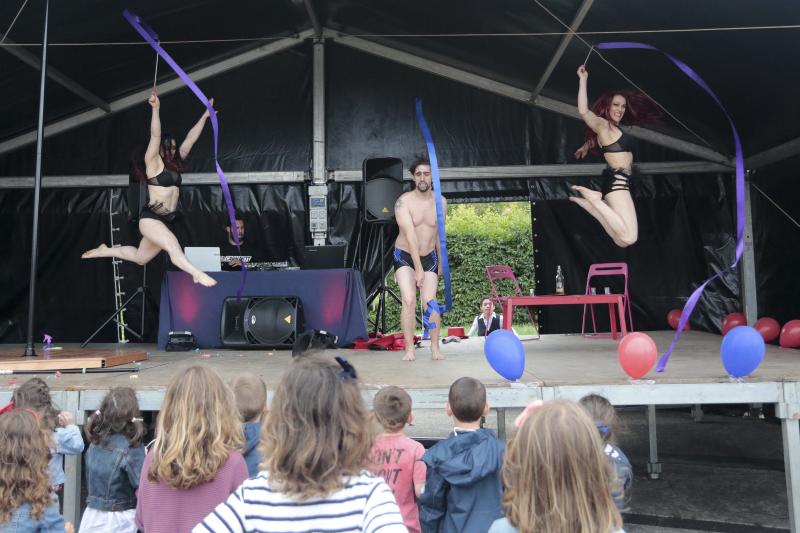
column 555, row 364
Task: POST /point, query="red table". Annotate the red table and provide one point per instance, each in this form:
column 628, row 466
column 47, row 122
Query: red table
column 572, row 299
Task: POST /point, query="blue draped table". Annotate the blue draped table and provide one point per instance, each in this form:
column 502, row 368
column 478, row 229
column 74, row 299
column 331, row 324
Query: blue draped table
column 333, row 300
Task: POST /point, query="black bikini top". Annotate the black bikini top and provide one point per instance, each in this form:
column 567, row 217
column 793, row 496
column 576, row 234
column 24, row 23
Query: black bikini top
column 167, row 178
column 623, row 144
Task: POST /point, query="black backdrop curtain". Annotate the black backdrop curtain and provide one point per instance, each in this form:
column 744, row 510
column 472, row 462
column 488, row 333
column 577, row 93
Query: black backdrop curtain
column 686, row 234
column 777, row 239
column 362, row 239
column 74, row 295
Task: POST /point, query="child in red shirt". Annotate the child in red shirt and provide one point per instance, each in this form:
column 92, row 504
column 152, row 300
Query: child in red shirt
column 396, row 457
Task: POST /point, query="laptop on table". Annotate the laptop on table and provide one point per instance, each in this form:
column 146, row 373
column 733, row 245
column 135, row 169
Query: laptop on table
column 205, row 258
column 323, row 257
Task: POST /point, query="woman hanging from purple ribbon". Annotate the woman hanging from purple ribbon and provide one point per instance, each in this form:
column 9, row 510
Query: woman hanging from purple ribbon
column 164, row 162
column 613, row 206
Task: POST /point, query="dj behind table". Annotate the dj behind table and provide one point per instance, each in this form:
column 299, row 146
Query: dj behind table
column 248, row 253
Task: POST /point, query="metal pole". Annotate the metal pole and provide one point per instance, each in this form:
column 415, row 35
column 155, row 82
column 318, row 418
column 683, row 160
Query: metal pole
column 29, row 351
column 318, row 193
column 653, row 466
column 748, row 263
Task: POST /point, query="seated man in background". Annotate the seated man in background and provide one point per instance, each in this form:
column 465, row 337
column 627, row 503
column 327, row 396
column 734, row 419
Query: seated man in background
column 487, row 321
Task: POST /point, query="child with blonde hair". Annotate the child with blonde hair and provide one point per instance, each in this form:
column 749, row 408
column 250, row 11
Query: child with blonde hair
column 113, row 463
column 194, row 463
column 67, row 439
column 27, row 502
column 555, row 475
column 251, row 402
column 316, row 443
column 395, row 457
column 605, row 419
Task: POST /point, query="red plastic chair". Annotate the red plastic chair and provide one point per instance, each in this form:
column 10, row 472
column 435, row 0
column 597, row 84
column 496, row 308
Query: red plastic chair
column 498, row 272
column 607, row 269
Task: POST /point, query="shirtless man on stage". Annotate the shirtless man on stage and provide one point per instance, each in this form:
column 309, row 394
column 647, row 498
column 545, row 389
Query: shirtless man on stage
column 416, row 254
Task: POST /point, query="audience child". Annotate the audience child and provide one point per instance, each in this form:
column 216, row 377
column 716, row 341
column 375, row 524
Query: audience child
column 395, row 457
column 316, row 443
column 27, row 502
column 113, row 463
column 251, row 402
column 555, row 475
column 67, row 439
column 462, row 491
column 195, row 461
column 605, row 418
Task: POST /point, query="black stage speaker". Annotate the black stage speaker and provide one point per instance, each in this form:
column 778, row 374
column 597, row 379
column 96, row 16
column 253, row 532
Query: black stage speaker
column 261, row 321
column 383, row 185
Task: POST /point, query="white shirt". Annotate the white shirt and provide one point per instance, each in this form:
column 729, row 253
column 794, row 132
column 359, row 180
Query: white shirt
column 473, row 330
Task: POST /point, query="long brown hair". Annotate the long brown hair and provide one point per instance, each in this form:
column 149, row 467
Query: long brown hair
column 24, row 454
column 197, row 429
column 555, row 474
column 118, row 413
column 317, row 430
column 35, row 394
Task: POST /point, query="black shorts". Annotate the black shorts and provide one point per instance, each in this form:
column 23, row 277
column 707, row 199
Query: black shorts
column 401, row 258
column 157, row 212
column 617, row 179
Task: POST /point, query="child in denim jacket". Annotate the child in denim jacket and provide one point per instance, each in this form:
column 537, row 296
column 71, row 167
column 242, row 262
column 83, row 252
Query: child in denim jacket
column 67, row 439
column 113, row 463
column 605, row 418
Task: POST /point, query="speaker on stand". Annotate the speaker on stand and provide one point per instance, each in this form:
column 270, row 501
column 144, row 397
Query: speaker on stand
column 382, row 186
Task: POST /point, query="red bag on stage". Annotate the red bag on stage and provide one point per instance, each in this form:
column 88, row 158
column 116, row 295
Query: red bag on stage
column 390, row 342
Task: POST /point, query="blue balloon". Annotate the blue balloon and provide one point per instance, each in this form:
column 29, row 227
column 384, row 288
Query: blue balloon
column 505, row 353
column 742, row 350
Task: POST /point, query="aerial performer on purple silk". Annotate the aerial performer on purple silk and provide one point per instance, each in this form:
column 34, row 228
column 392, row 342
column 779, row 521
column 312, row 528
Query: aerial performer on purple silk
column 613, row 205
column 163, row 164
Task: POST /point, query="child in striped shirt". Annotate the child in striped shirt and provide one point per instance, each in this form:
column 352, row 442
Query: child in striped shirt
column 316, row 442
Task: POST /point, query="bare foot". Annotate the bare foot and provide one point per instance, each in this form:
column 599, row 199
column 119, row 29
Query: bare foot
column 436, row 355
column 94, row 253
column 204, row 279
column 410, row 356
column 589, row 194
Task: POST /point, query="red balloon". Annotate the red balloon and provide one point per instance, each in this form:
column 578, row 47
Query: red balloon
column 674, row 317
column 768, row 327
column 731, row 321
column 637, row 354
column 790, row 334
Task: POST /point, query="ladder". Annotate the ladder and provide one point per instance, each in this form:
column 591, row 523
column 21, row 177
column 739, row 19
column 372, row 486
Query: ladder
column 119, row 293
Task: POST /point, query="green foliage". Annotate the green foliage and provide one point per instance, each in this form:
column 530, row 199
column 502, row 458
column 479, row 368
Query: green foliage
column 480, row 235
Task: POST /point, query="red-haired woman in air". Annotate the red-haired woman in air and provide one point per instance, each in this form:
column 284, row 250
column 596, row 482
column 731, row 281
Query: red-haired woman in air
column 613, row 205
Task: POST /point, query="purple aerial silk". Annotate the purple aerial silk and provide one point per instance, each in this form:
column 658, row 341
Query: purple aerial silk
column 692, row 301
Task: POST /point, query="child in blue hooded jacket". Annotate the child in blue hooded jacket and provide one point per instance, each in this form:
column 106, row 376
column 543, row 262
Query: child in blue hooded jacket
column 463, row 488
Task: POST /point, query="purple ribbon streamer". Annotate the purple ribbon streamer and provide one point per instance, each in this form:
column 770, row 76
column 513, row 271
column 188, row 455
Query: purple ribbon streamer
column 152, row 39
column 693, row 299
